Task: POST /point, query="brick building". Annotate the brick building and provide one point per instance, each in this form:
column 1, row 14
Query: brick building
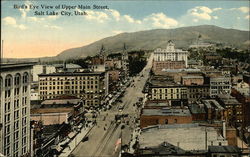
column 214, row 111
column 160, row 65
column 233, row 109
column 90, row 86
column 245, row 101
column 198, row 112
column 192, row 80
column 114, row 75
column 164, row 116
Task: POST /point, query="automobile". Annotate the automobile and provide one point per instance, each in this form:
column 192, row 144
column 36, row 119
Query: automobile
column 84, row 139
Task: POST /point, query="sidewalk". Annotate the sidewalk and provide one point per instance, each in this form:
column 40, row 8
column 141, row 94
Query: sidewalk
column 135, row 134
column 75, row 141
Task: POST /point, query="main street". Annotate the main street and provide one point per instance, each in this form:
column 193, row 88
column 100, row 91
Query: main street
column 105, row 135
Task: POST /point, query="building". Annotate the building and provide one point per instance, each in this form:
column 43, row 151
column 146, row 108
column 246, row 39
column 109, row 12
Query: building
column 15, row 109
column 187, row 137
column 192, row 80
column 214, row 111
column 177, row 74
column 41, row 69
column 113, row 63
column 220, row 84
column 245, row 101
column 58, row 111
column 164, row 116
column 158, row 66
column 197, row 92
column 114, row 75
column 169, row 58
column 198, row 111
column 164, row 88
column 152, row 104
column 234, row 111
column 69, row 67
column 90, row 86
column 243, row 88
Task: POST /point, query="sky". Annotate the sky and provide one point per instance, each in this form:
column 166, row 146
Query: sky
column 27, row 33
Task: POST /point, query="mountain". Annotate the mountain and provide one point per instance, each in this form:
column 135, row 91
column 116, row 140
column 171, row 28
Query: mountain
column 152, row 39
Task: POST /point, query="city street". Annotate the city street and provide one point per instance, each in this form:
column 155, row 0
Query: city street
column 104, row 137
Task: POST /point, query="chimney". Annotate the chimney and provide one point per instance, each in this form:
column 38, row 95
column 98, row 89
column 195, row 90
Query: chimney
column 224, row 129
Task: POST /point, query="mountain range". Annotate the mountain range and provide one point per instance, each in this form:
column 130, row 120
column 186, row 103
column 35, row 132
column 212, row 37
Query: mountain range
column 183, row 37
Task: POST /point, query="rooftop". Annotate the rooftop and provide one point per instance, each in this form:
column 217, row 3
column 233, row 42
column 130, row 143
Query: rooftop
column 11, row 66
column 159, row 81
column 73, row 74
column 196, row 108
column 181, row 70
column 68, row 66
column 192, row 77
column 211, row 103
column 186, row 136
column 156, row 103
column 223, row 149
column 166, row 112
column 61, row 101
column 51, row 110
column 228, row 99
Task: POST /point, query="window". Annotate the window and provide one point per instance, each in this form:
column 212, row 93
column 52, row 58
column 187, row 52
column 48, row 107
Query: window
column 16, row 135
column 7, row 107
column 175, row 120
column 16, row 146
column 7, row 140
column 7, row 118
column 24, row 141
column 7, row 129
column 7, row 151
column 25, row 77
column 24, row 111
column 16, row 125
column 24, row 121
column 16, row 114
column 24, row 131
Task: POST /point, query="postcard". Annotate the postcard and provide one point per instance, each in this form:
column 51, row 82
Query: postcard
column 125, row 78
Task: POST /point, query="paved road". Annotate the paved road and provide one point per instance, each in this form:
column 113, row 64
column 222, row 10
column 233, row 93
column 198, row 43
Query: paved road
column 102, row 142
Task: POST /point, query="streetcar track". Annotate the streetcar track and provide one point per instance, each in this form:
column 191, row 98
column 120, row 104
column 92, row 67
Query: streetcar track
column 103, row 138
column 109, row 138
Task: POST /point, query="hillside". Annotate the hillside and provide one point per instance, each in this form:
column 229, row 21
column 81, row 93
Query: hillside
column 151, row 39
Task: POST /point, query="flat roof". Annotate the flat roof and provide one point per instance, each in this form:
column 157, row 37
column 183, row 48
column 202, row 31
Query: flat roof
column 166, row 112
column 61, row 101
column 181, row 70
column 72, row 74
column 11, row 66
column 186, row 136
column 155, row 103
column 51, row 110
column 192, row 76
